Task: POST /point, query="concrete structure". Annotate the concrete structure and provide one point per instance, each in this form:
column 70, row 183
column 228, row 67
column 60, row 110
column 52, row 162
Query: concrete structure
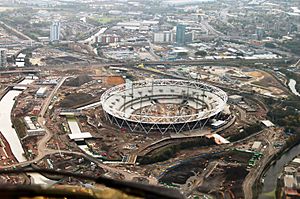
column 3, row 58
column 188, row 37
column 107, row 39
column 29, row 124
column 256, row 146
column 267, row 123
column 41, row 92
column 20, row 60
column 80, row 136
column 217, row 124
column 36, row 132
column 55, row 32
column 180, row 34
column 163, row 37
column 235, row 98
column 32, row 130
column 162, row 105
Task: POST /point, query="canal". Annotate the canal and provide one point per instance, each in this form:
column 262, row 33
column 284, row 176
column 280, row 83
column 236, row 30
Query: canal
column 6, row 106
column 292, row 86
column 270, row 177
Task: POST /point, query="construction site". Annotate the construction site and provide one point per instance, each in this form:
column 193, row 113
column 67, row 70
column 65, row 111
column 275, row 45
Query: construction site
column 127, row 123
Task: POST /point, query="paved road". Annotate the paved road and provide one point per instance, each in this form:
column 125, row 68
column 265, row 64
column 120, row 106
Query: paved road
column 255, row 172
column 41, row 145
column 49, row 98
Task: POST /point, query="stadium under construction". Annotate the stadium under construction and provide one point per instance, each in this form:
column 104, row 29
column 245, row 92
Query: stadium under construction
column 162, row 105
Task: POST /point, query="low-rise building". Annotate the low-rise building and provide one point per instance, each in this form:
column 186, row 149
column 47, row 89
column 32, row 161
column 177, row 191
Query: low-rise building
column 42, row 92
column 235, row 98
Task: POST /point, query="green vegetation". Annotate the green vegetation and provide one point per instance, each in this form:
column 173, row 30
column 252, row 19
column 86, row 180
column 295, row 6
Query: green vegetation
column 292, row 75
column 105, row 20
column 102, row 20
column 287, row 117
column 293, row 45
column 284, row 112
column 270, row 45
column 182, row 54
column 20, row 127
column 253, row 128
column 201, row 53
column 165, row 153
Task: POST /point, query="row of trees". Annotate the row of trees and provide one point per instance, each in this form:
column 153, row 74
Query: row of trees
column 252, row 129
column 168, row 152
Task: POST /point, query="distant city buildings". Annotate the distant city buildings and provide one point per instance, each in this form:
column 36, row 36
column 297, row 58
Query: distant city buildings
column 188, row 37
column 108, row 39
column 260, row 33
column 163, row 37
column 3, row 58
column 54, row 31
column 180, row 34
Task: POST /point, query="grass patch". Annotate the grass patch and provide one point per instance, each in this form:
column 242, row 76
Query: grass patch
column 105, row 20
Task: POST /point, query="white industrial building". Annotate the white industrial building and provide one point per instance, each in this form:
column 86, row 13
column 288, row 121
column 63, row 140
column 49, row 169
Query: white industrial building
column 32, row 130
column 235, row 98
column 42, row 92
column 267, row 123
column 29, row 124
column 163, row 37
column 20, row 60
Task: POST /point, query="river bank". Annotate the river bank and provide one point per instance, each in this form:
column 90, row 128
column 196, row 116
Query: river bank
column 7, row 103
column 272, row 171
column 292, row 85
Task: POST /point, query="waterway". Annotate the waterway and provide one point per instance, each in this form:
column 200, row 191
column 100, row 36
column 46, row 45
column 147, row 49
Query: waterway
column 6, row 106
column 292, row 86
column 270, row 178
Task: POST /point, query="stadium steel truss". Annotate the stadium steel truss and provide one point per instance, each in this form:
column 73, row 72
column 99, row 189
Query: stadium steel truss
column 126, row 105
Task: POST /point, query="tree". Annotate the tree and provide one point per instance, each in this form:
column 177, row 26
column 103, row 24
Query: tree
column 201, row 53
column 182, row 54
column 270, row 45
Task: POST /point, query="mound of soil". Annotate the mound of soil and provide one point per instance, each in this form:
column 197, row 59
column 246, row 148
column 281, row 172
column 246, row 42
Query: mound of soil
column 78, row 81
column 75, row 99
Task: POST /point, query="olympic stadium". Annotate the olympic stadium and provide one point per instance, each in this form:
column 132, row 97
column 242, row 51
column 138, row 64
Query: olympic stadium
column 162, row 105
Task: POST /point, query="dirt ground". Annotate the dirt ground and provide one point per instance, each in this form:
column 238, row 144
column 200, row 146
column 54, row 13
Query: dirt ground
column 256, row 74
column 114, row 80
